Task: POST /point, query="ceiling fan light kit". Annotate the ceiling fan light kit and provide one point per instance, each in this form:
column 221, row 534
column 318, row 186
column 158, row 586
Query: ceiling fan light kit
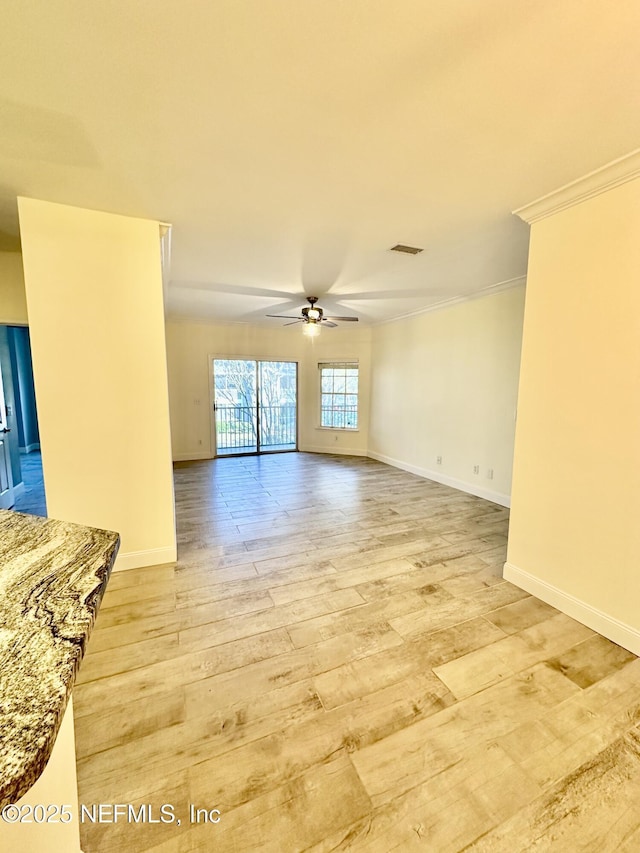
column 313, row 318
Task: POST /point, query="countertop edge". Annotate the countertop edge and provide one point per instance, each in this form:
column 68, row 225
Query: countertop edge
column 16, row 784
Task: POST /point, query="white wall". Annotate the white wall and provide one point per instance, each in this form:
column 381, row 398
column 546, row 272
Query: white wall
column 94, row 296
column 574, row 537
column 189, row 350
column 444, row 383
column 13, row 301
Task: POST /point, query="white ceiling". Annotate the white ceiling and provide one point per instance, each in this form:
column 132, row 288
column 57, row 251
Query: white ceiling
column 292, row 142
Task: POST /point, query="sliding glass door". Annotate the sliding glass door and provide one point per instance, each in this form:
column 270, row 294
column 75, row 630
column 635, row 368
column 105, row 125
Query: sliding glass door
column 255, row 406
column 277, row 409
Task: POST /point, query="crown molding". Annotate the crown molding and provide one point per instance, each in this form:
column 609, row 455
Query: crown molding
column 499, row 287
column 599, row 181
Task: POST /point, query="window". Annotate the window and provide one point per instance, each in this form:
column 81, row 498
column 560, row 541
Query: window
column 339, row 395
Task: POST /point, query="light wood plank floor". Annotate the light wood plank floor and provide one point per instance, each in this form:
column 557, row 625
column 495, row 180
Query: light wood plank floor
column 335, row 663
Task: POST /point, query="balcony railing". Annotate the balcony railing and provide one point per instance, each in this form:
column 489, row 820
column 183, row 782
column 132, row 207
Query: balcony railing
column 237, row 428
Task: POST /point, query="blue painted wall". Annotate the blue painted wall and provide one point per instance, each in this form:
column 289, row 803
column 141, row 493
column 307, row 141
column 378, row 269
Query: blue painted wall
column 26, row 413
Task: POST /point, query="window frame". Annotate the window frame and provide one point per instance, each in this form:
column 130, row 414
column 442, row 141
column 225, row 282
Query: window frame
column 344, row 364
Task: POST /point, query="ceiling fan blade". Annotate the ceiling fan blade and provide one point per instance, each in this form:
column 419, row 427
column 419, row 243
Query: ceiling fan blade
column 343, row 319
column 283, row 316
column 299, row 320
column 235, row 290
column 326, row 322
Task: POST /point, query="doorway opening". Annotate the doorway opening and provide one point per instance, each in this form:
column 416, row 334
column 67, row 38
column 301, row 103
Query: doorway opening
column 255, row 405
column 21, row 477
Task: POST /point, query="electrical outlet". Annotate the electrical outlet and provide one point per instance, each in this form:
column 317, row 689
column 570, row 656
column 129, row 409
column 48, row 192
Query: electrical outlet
column 335, row 437
column 439, row 460
column 490, row 474
column 476, row 469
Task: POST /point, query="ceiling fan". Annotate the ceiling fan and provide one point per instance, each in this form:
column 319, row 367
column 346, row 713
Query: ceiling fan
column 313, row 317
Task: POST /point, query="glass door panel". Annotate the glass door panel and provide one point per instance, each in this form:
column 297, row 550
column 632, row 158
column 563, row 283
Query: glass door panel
column 277, row 385
column 235, row 405
column 255, row 406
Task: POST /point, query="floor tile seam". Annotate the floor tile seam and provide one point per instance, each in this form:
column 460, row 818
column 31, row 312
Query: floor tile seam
column 391, row 682
column 304, row 562
column 259, row 529
column 89, row 755
column 575, row 771
column 260, row 577
column 86, row 661
column 342, row 750
column 267, row 610
column 182, row 604
column 598, row 721
column 185, row 610
column 257, row 634
column 293, row 651
column 186, row 655
column 597, row 737
column 130, row 589
column 355, row 608
column 513, row 671
column 480, row 613
column 366, row 564
column 109, row 608
column 117, row 646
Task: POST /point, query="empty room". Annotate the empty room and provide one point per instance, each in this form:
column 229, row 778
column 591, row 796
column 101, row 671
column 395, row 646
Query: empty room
column 323, row 533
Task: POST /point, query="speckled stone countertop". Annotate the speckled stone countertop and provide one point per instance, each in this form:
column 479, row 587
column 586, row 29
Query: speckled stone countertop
column 52, row 578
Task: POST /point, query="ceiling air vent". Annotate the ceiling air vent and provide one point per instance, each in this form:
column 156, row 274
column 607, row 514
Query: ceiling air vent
column 408, row 250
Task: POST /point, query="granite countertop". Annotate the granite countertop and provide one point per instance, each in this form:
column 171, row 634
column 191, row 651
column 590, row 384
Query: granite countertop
column 52, row 578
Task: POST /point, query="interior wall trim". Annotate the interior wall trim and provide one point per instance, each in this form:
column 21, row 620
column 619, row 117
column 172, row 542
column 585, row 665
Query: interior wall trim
column 339, row 451
column 610, row 627
column 196, row 456
column 436, row 476
column 140, row 559
column 607, row 177
column 29, row 448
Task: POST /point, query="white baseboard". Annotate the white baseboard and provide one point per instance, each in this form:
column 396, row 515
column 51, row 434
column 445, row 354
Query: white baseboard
column 616, row 631
column 339, row 451
column 192, row 457
column 436, row 476
column 140, row 559
column 29, row 448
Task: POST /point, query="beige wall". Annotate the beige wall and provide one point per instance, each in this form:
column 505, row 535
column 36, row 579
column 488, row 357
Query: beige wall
column 190, row 347
column 13, row 301
column 575, row 537
column 445, row 384
column 57, row 784
column 94, row 295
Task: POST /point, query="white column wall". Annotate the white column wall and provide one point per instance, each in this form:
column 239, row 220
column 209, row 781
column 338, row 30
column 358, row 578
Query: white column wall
column 94, row 295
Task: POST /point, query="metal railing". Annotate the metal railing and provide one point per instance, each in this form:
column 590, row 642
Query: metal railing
column 237, row 427
column 339, row 417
